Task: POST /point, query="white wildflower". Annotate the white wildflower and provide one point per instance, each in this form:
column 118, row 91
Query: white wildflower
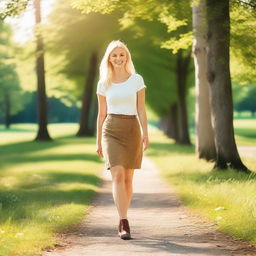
column 19, row 234
column 220, row 208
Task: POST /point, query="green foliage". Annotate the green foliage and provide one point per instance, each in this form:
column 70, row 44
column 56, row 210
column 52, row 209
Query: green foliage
column 243, row 37
column 156, row 65
column 175, row 15
column 177, row 18
column 248, row 101
column 174, row 44
column 12, row 7
column 88, row 6
column 11, row 99
column 75, row 36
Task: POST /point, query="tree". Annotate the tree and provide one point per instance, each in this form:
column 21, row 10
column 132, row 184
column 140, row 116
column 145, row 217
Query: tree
column 12, row 7
column 42, row 133
column 205, row 147
column 10, row 92
column 218, row 75
column 84, row 128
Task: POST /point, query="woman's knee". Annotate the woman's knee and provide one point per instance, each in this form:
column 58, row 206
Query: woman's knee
column 118, row 174
column 129, row 176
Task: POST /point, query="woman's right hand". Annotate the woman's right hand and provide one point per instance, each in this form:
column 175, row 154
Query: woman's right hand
column 99, row 150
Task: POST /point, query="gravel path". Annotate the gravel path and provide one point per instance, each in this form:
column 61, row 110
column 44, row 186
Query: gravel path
column 160, row 225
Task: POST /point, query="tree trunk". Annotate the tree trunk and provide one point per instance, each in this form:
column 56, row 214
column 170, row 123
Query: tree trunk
column 182, row 72
column 94, row 114
column 218, row 74
column 205, row 147
column 172, row 123
column 40, row 72
column 166, row 126
column 169, row 124
column 84, row 128
column 7, row 116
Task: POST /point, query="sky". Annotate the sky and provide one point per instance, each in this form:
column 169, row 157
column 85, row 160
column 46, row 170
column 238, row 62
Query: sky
column 24, row 24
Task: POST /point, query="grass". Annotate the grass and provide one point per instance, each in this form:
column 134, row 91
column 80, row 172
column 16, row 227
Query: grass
column 227, row 197
column 245, row 131
column 25, row 132
column 45, row 187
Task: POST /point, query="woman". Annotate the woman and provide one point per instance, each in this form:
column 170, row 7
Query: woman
column 121, row 98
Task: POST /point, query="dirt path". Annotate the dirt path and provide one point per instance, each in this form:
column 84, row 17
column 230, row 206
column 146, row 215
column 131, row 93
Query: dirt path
column 248, row 151
column 160, row 225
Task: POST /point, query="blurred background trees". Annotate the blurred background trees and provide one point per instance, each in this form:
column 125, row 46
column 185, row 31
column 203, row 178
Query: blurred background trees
column 11, row 98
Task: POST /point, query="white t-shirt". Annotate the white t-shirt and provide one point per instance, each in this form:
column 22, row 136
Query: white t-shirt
column 121, row 98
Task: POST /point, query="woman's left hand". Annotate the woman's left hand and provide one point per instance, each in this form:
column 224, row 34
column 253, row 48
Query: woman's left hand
column 145, row 142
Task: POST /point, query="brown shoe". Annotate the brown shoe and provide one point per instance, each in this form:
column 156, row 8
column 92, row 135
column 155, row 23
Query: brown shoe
column 124, row 229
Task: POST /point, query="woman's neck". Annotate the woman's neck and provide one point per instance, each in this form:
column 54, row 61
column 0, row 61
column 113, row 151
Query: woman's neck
column 120, row 74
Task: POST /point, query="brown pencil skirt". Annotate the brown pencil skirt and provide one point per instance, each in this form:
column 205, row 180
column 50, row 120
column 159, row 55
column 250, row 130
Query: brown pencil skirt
column 122, row 141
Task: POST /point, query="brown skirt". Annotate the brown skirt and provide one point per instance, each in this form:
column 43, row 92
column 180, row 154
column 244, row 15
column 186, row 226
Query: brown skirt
column 122, row 141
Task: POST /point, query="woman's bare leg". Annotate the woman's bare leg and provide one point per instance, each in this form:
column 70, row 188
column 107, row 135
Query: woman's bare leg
column 128, row 184
column 119, row 190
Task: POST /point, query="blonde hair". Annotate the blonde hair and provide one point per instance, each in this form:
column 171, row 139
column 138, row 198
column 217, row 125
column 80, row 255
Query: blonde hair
column 106, row 69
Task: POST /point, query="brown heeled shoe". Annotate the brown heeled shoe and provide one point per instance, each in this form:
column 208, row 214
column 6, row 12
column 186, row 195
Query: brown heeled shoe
column 124, row 229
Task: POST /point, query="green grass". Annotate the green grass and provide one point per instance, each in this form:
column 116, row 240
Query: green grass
column 25, row 132
column 245, row 131
column 227, row 197
column 45, row 187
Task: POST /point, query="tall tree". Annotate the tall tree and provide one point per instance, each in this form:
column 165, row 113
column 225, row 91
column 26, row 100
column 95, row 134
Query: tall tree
column 218, row 75
column 42, row 133
column 84, row 127
column 182, row 70
column 205, row 147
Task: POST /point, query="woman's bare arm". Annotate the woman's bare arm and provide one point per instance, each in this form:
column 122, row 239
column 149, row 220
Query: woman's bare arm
column 142, row 116
column 102, row 113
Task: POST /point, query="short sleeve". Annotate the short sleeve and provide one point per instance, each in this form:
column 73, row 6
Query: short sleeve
column 100, row 89
column 140, row 83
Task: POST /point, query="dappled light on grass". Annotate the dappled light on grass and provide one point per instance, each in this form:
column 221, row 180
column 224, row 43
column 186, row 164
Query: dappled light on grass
column 45, row 188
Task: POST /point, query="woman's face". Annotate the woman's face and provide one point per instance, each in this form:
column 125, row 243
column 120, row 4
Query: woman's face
column 118, row 57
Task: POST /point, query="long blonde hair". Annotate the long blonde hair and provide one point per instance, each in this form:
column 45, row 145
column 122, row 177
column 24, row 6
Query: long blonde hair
column 106, row 69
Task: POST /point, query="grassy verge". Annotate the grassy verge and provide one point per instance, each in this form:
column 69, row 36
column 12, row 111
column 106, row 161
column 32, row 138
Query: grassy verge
column 45, row 188
column 227, row 197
